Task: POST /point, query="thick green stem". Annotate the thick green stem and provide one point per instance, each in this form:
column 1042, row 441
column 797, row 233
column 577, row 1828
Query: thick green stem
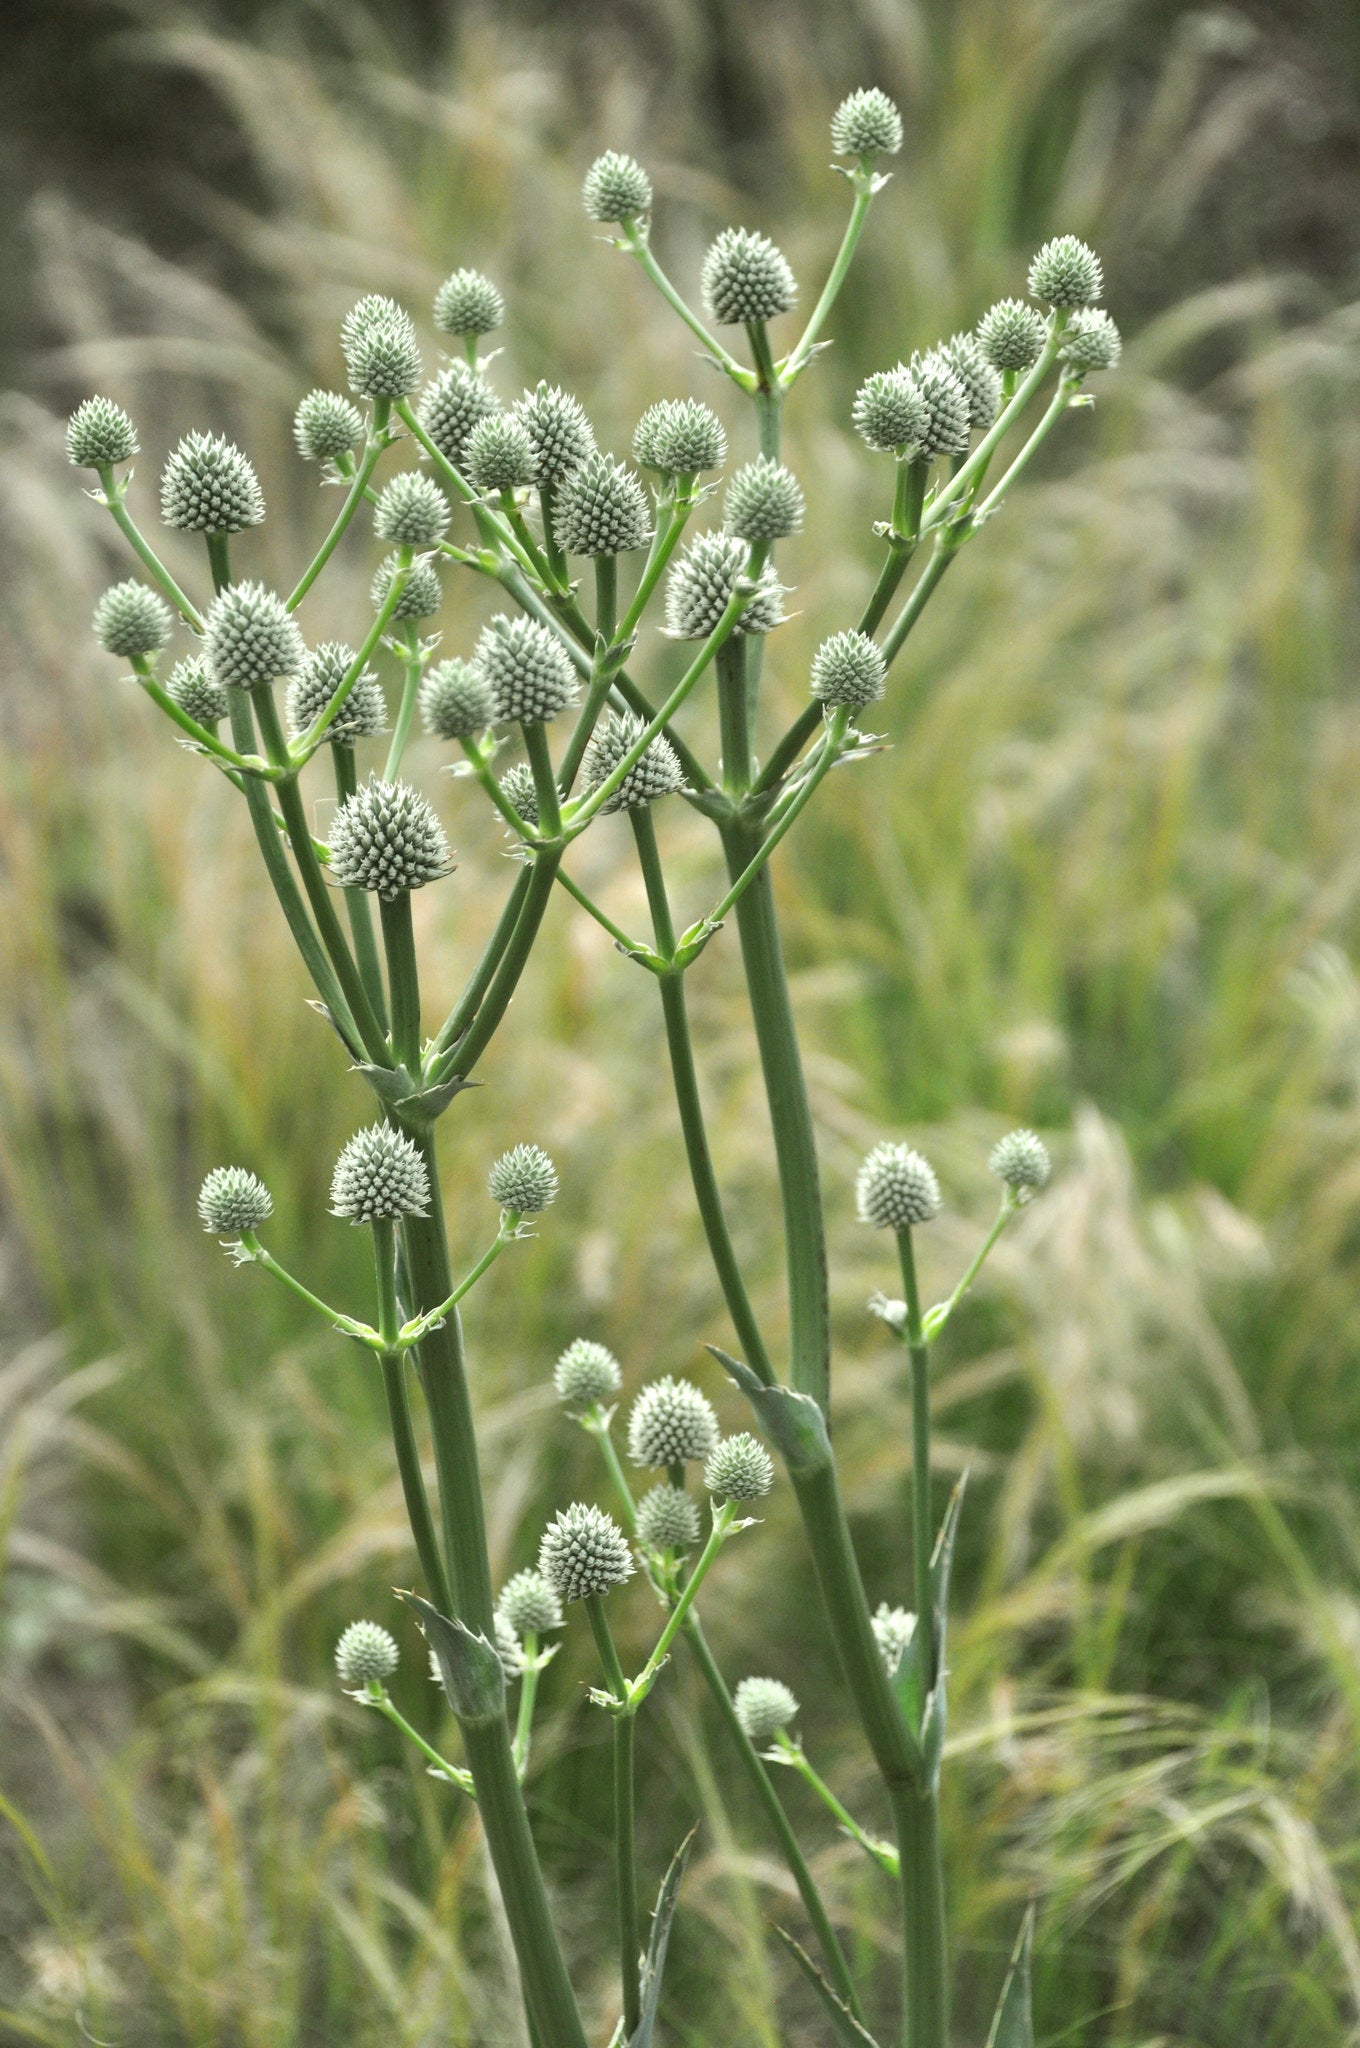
column 768, row 393
column 908, row 498
column 418, row 1511
column 357, row 906
column 922, row 1518
column 403, row 979
column 465, row 1054
column 219, row 560
column 465, row 1009
column 625, row 1820
column 926, row 584
column 916, row 1820
column 545, row 781
column 734, row 717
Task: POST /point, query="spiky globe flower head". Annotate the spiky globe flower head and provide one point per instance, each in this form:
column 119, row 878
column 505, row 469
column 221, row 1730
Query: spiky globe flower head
column 411, row 510
column 1091, row 341
column 520, row 791
column 499, row 455
column 700, row 586
column 1011, row 335
column 739, row 1468
column 208, row 486
column 1021, row 1160
column 657, row 772
column 1066, row 273
column 948, row 423
column 896, row 1188
column 98, row 434
column 668, row 1519
column 232, row 1201
column 529, row 1604
column 893, row 1629
column 616, row 188
column 195, row 691
column 866, row 124
column 451, row 407
column 585, row 1373
column 454, row 700
column 602, row 510
column 250, row 637
column 387, row 838
column 523, row 1180
column 764, row 501
column 681, row 436
column 362, row 716
column 468, row 303
column 560, row 435
column 326, row 425
column 980, row 380
column 889, row 412
column 379, row 1177
column 745, row 277
column 670, row 1423
column 365, row 1655
column 526, row 669
column 422, row 594
column 509, row 1649
column 763, row 1707
column 382, row 354
column 129, row 620
column 583, row 1553
column 848, row 672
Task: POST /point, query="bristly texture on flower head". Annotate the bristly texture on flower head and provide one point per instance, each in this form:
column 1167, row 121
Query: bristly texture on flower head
column 1011, row 335
column 671, row 1423
column 1091, row 341
column 948, row 422
column 1066, row 273
column 702, row 581
column 523, row 1180
column 602, row 510
column 520, row 791
column 680, row 436
column 866, row 124
column 362, row 716
column 889, row 413
column 980, row 380
column 99, row 434
column 657, row 771
column 583, row 1553
column 411, row 510
column 763, row 1706
column 209, row 486
column 365, row 1655
column 893, row 1629
column 739, row 1468
column 616, row 188
column 250, row 637
column 529, row 1604
column 848, row 671
column 232, row 1201
column 468, row 303
column 526, row 669
column 454, row 700
column 561, row 438
column 585, row 1373
column 764, row 501
column 745, row 277
column 452, row 405
column 668, row 1519
column 508, row 1646
column 130, row 620
column 196, row 692
column 1021, row 1160
column 421, row 596
column 326, row 425
column 499, row 455
column 387, row 838
column 379, row 1176
column 896, row 1188
column 382, row 354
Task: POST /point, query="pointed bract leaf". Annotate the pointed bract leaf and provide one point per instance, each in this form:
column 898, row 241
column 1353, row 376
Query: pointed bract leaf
column 793, row 1422
column 1013, row 2026
column 472, row 1673
column 848, row 2028
column 942, row 1563
column 654, row 1962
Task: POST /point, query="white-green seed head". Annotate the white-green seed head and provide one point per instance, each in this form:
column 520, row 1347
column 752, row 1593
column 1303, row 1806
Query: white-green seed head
column 454, row 700
column 601, row 509
column 196, row 692
column 422, row 594
column 251, row 638
column 1066, row 273
column 866, row 124
column 209, row 486
column 947, row 416
column 130, row 620
column 745, row 277
column 382, row 354
column 411, row 510
column 616, row 188
column 893, row 1629
column 702, row 580
column 980, row 380
column 1011, row 335
column 365, row 1655
column 520, row 791
column 327, row 425
column 452, row 405
column 889, row 413
column 526, row 669
column 764, row 1706
column 584, row 1553
column 1021, row 1160
column 764, row 501
column 561, row 438
column 585, row 1373
column 523, row 1180
column 386, row 838
column 379, row 1177
column 529, row 1604
column 657, row 772
column 232, row 1201
column 468, row 303
column 1091, row 341
column 362, row 716
column 671, row 1423
column 896, row 1188
column 99, row 434
column 680, row 437
column 739, row 1468
column 848, row 672
column 499, row 454
column 668, row 1519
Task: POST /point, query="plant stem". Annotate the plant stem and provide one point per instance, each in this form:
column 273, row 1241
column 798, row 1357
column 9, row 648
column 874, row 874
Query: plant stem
column 145, row 553
column 479, row 981
column 528, row 1692
column 908, row 498
column 734, row 718
column 942, row 555
column 413, row 1479
column 357, row 905
column 377, row 441
column 199, row 734
column 768, row 393
column 1000, row 427
column 415, row 1330
column 723, row 1519
column 545, row 781
column 797, row 1760
column 836, row 729
column 399, row 943
column 601, row 917
column 307, row 742
column 412, row 669
column 859, row 212
column 219, row 560
column 916, row 1821
column 638, row 242
column 923, row 1527
column 462, row 1779
column 260, row 1257
column 1062, row 400
column 465, row 1054
column 625, row 1837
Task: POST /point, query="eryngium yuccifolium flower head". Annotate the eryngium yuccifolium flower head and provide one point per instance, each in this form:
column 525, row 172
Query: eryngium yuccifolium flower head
column 680, row 436
column 526, row 669
column 195, row 691
column 455, row 701
column 379, row 1176
column 602, row 510
column 1021, row 1160
column 866, row 124
column 208, row 486
column 981, row 382
column 325, row 425
column 896, row 1188
column 520, row 791
column 670, row 1423
column 889, row 412
column 745, row 277
column 411, row 510
column 1091, row 341
column 1066, row 273
column 452, row 405
column 508, row 1647
column 668, row 1519
column 523, row 1180
column 529, row 1604
column 499, row 455
column 848, row 671
column 764, row 1706
column 382, row 354
column 584, row 1552
column 231, row 1201
column 586, row 1372
column 421, row 596
column 700, row 586
column 893, row 1629
column 387, row 838
column 362, row 715
column 99, row 433
column 764, row 501
column 616, row 188
column 739, row 1468
column 948, row 422
column 129, row 619
column 365, row 1655
column 250, row 637
column 1011, row 335
column 560, row 435
column 468, row 303
column 657, row 772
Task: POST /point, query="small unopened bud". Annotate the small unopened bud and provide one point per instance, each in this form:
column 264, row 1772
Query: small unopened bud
column 130, row 620
column 451, row 407
column 379, row 1177
column 382, row 354
column 671, row 1423
column 893, row 1629
column 561, row 438
column 584, row 1553
column 866, row 124
column 527, row 670
column 602, row 510
column 764, row 501
column 365, row 1655
column 1011, row 335
column 232, row 1201
column 520, row 791
column 763, row 1706
column 1021, row 1160
column 529, row 1604
column 585, row 1373
column 499, row 454
column 896, row 1188
column 1066, row 273
column 326, row 425
column 455, row 701
column 196, row 692
column 99, row 434
column 209, row 486
column 1091, row 341
column 745, row 278
column 616, row 188
column 980, row 380
column 412, row 510
column 848, row 671
column 386, row 838
column 701, row 584
column 668, row 1519
column 948, row 421
column 468, row 303
column 523, row 1180
column 681, row 437
column 656, row 773
column 250, row 637
column 739, row 1468
column 889, row 413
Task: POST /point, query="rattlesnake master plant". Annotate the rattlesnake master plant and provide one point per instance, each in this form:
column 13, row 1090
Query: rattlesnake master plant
column 518, row 489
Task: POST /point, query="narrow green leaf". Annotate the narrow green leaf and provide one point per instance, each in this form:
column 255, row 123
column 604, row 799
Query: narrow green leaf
column 942, row 1564
column 848, row 2028
column 1013, row 2026
column 654, row 1962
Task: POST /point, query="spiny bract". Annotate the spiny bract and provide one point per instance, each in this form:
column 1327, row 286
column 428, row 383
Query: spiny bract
column 98, row 434
column 451, row 406
column 365, row 1655
column 130, row 620
column 468, row 303
column 526, row 669
column 616, row 188
column 668, row 1519
column 326, row 425
column 250, row 637
column 209, row 486
column 362, row 716
column 739, row 1468
column 745, row 278
column 196, row 692
column 529, row 1604
column 657, row 772
column 560, row 435
column 585, row 1373
column 387, row 838
column 1021, row 1160
column 584, row 1552
column 1066, row 273
column 680, row 436
column 411, row 510
column 896, row 1188
column 455, row 700
column 602, row 510
column 763, row 1706
column 671, row 1422
column 848, row 671
column 232, row 1200
column 701, row 583
column 764, row 501
column 867, row 123
column 379, row 1176
column 523, row 1180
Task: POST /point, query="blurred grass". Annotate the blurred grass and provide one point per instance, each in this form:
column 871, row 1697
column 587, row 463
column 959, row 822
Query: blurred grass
column 1105, row 880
